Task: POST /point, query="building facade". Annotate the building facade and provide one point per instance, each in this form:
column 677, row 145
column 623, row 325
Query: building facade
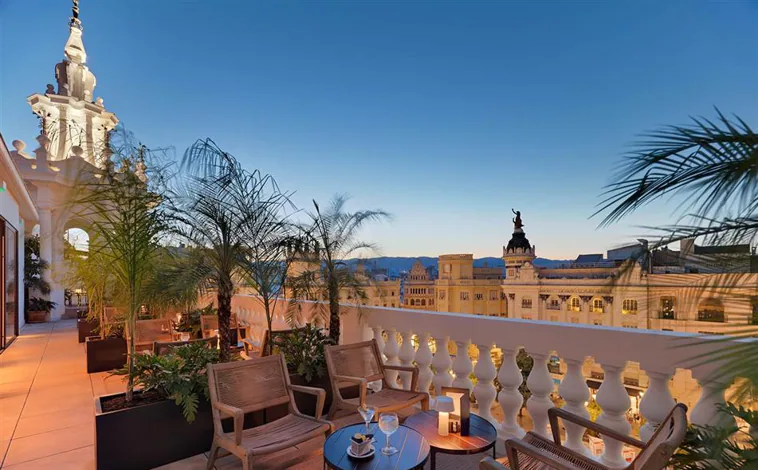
column 461, row 288
column 418, row 289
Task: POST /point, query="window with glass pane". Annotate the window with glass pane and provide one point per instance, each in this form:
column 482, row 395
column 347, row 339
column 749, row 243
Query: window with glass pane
column 11, row 283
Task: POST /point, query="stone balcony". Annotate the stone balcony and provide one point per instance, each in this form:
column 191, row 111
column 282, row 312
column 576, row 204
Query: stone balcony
column 426, row 338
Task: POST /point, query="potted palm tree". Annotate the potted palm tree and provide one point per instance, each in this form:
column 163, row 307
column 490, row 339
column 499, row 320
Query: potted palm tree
column 329, row 239
column 38, row 310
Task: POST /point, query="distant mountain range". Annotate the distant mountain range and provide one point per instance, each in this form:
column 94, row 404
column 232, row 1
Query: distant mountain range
column 397, row 264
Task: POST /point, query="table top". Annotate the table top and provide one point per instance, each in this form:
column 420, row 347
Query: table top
column 413, row 449
column 483, row 434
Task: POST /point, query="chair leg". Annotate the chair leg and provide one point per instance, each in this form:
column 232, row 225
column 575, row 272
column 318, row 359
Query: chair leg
column 332, row 410
column 247, row 462
column 214, row 454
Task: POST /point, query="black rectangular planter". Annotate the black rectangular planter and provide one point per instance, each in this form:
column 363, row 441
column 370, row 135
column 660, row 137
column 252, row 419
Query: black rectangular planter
column 86, row 328
column 150, row 435
column 105, row 354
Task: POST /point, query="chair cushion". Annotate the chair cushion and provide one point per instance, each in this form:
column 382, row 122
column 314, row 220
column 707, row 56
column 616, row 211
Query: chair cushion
column 290, row 430
column 390, row 399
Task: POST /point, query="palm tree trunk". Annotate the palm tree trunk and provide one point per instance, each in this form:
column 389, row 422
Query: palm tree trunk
column 224, row 315
column 334, row 309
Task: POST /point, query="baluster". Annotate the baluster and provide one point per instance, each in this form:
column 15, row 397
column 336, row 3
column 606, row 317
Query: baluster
column 391, row 350
column 706, row 410
column 540, row 383
column 485, row 390
column 615, row 402
column 462, row 366
column 510, row 398
column 406, row 358
column 423, row 361
column 575, row 392
column 379, row 340
column 442, row 364
column 656, row 403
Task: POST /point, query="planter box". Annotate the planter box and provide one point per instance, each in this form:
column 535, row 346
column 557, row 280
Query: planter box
column 36, row 317
column 86, row 328
column 105, row 354
column 150, row 435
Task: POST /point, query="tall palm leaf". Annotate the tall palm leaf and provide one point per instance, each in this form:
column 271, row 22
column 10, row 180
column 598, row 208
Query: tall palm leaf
column 712, row 166
column 330, row 238
column 125, row 208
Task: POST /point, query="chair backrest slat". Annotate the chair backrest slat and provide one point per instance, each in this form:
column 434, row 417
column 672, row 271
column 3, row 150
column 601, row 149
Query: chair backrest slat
column 148, row 331
column 160, row 348
column 664, row 442
column 251, row 385
column 355, row 360
column 208, row 323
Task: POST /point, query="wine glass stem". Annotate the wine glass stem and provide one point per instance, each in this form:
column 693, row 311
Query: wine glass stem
column 388, row 442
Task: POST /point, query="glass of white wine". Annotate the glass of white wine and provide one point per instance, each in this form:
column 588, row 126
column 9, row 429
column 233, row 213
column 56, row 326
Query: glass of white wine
column 388, row 424
column 367, row 413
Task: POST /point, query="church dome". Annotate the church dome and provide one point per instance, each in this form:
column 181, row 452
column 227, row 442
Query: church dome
column 518, row 243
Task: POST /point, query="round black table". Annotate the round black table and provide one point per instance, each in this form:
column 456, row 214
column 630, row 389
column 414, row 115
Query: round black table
column 482, row 435
column 413, row 449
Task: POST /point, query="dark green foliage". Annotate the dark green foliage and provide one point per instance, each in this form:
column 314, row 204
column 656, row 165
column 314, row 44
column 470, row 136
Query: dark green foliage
column 34, row 266
column 179, row 376
column 714, row 448
column 303, row 350
column 525, row 363
column 37, row 304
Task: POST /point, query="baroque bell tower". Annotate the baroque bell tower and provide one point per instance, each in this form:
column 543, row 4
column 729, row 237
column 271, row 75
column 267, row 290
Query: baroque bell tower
column 69, row 115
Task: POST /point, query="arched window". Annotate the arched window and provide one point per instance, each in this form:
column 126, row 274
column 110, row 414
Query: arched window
column 423, row 302
column 526, row 302
column 710, row 309
column 629, row 307
column 575, row 305
column 597, row 305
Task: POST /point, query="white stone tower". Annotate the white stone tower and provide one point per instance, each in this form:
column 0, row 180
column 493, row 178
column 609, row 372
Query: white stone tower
column 73, row 140
column 70, row 116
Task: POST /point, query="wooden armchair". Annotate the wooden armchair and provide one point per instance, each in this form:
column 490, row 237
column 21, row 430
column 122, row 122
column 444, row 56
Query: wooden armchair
column 534, row 452
column 161, row 348
column 360, row 363
column 241, row 387
column 209, row 326
column 148, row 332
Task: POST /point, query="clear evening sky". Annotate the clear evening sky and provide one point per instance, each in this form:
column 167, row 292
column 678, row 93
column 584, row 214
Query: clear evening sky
column 446, row 114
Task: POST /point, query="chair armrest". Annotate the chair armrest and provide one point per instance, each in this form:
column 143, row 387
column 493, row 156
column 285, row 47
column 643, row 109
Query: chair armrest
column 555, row 413
column 414, row 370
column 320, row 394
column 237, row 414
column 356, row 380
column 515, row 446
column 488, row 463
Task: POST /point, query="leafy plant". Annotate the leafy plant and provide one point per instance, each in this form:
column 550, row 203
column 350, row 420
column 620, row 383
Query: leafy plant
column 718, row 448
column 37, row 304
column 179, row 375
column 329, row 239
column 525, row 364
column 218, row 206
column 303, row 350
column 35, row 266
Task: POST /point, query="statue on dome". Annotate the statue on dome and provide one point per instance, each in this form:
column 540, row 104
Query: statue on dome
column 517, row 222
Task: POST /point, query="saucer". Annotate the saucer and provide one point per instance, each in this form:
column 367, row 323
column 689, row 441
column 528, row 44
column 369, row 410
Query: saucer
column 367, row 455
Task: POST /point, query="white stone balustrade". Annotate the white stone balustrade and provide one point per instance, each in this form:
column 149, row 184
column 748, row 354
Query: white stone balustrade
column 611, row 348
column 391, row 351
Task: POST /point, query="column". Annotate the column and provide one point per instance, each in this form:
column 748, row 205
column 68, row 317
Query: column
column 462, row 366
column 391, row 350
column 510, row 398
column 615, row 402
column 379, row 339
column 540, row 382
column 656, row 403
column 442, row 364
column 574, row 390
column 706, row 411
column 423, row 361
column 484, row 390
column 406, row 358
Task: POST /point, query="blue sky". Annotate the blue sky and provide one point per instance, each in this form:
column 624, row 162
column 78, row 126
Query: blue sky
column 444, row 114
